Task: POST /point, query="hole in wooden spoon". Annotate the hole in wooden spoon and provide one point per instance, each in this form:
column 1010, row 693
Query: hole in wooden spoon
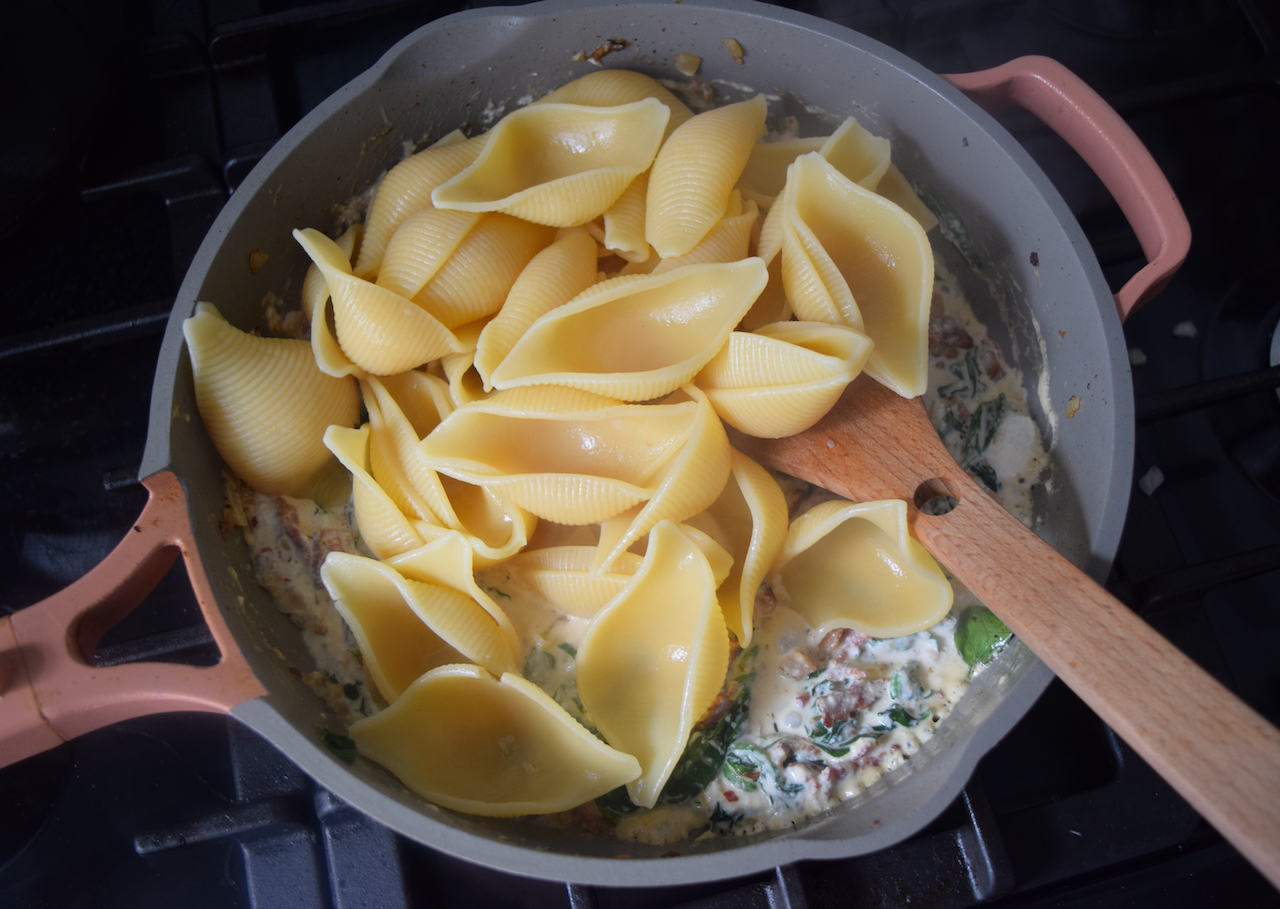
column 934, row 498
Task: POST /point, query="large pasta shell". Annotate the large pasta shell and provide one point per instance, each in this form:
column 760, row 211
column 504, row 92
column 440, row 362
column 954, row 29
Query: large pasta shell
column 406, row 189
column 623, row 232
column 728, row 241
column 611, row 87
column 784, row 377
column 420, row 247
column 751, row 516
column 848, row 565
column 882, row 259
column 378, row 330
column 688, row 483
column 265, row 404
column 765, row 172
column 406, row 628
column 314, row 288
column 482, row 746
column 857, row 154
column 552, row 278
column 559, row 164
column 567, row 456
column 562, row 576
column 635, row 338
column 475, row 280
column 653, row 660
column 383, row 526
column 696, row 170
column 898, row 190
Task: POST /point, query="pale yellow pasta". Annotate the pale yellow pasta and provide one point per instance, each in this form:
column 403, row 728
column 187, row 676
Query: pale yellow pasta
column 558, row 164
column 561, row 575
column 407, row 188
column 623, row 232
column 527, row 445
column 852, row 256
column 500, row 748
column 475, row 280
column 695, row 172
column 611, row 87
column 784, row 377
column 552, row 278
column 750, row 516
column 265, row 404
column 315, row 290
column 687, row 484
column 465, row 384
column 406, row 628
column 653, row 660
column 766, row 169
column 847, row 565
column 638, row 337
column 857, row 154
column 728, row 241
column 378, row 330
column 895, row 187
column 420, row 247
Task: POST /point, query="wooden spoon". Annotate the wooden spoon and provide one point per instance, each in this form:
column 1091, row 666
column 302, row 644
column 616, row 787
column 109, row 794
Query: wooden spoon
column 1215, row 750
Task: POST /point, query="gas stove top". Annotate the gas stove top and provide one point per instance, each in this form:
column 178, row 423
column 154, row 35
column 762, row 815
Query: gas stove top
column 136, row 120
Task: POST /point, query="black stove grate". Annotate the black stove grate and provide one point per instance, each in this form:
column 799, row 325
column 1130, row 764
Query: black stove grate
column 169, row 105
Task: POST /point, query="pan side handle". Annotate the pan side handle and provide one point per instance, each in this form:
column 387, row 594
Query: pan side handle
column 1109, row 146
column 50, row 691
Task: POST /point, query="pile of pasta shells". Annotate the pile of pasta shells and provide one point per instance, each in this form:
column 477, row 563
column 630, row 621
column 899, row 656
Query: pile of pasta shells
column 553, row 322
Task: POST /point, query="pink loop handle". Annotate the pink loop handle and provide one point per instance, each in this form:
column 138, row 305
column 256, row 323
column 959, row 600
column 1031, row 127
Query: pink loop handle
column 50, row 691
column 1078, row 114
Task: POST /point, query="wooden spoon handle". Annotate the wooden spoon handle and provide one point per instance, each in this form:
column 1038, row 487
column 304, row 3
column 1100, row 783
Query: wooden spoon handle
column 1223, row 757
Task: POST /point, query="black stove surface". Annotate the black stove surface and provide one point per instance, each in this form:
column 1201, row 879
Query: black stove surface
column 134, row 121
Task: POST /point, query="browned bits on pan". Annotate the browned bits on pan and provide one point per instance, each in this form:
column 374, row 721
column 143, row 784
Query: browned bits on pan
column 613, row 44
column 735, row 49
column 946, row 337
column 1073, row 406
column 257, row 259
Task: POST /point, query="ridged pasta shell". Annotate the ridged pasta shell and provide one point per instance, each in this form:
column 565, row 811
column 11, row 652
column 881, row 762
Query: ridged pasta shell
column 559, row 164
column 315, row 290
column 407, row 188
column 881, row 257
column 384, row 528
column 265, row 404
column 393, row 460
column 612, row 87
column 420, row 247
column 857, row 154
column 897, row 189
column 552, row 278
column 751, row 516
column 696, row 170
column 784, row 377
column 623, row 232
column 406, row 628
column 561, row 575
column 567, row 456
column 635, row 338
column 765, row 172
column 476, row 279
column 449, row 561
column 654, row 659
column 728, row 241
column 688, row 483
column 498, row 748
column 847, row 565
column 379, row 331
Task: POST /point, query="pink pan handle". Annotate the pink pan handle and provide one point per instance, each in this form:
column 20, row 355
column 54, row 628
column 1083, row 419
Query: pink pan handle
column 50, row 691
column 1075, row 112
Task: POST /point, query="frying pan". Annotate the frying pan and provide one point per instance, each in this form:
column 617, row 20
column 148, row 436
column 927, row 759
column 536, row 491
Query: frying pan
column 1006, row 233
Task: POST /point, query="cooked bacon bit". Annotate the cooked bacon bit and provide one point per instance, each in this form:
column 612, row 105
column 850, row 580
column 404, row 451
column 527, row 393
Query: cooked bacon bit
column 730, row 795
column 766, row 604
column 672, row 854
column 613, row 44
column 734, row 48
column 990, row 361
column 802, row 698
column 947, row 336
column 257, row 259
column 797, row 664
column 839, row 705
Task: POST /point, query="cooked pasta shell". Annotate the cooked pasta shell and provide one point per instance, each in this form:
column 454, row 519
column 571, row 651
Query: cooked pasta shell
column 265, row 404
column 552, row 278
column 728, row 241
column 420, row 247
column 847, row 565
column 567, row 456
column 654, row 659
column 449, row 561
column 379, row 331
column 635, row 338
column 695, row 171
column 898, row 190
column 407, row 188
column 771, row 306
column 393, row 457
column 843, row 242
column 499, row 748
column 688, row 483
column 383, row 526
column 315, row 290
column 751, row 516
column 406, row 628
column 612, row 87
column 559, row 164
column 475, row 280
column 857, row 154
column 623, row 229
column 562, row 576
column 766, row 168
column 784, row 377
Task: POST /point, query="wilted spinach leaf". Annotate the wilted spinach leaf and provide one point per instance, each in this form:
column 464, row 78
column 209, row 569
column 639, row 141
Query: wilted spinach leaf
column 980, row 635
